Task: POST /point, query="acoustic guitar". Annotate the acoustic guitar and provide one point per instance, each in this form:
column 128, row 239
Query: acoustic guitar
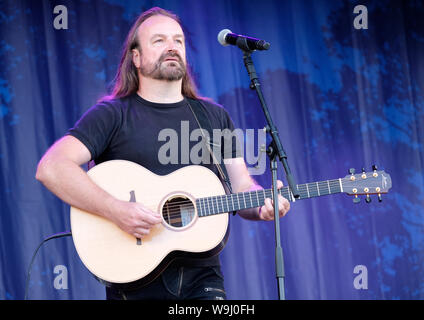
column 194, row 209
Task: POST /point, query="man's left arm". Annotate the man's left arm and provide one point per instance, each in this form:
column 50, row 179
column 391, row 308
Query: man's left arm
column 241, row 181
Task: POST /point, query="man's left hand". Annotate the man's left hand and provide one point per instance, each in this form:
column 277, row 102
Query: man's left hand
column 266, row 212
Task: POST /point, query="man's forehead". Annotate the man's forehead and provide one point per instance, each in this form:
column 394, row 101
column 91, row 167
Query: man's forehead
column 160, row 25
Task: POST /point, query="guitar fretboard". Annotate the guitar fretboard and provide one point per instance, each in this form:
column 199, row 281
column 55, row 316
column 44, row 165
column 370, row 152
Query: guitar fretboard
column 251, row 199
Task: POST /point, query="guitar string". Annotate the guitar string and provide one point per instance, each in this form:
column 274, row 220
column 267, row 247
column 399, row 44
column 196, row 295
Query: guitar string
column 177, row 206
column 268, row 192
column 173, row 210
column 260, row 192
column 307, row 193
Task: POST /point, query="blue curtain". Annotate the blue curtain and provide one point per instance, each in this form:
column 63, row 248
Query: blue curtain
column 341, row 98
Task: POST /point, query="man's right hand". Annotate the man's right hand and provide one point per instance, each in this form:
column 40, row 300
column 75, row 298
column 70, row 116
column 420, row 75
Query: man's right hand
column 59, row 170
column 134, row 218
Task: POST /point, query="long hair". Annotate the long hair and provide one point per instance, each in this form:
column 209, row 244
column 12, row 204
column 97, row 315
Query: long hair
column 126, row 80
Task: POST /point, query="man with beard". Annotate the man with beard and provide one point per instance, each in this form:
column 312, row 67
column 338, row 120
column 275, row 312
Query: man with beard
column 153, row 89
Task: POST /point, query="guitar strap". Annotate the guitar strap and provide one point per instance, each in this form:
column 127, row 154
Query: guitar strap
column 199, row 112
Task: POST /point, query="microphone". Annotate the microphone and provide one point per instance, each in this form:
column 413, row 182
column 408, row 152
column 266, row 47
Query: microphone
column 226, row 37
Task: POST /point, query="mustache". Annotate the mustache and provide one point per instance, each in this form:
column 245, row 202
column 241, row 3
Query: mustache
column 171, row 54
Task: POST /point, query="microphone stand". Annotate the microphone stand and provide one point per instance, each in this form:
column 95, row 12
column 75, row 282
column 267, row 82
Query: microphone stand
column 275, row 151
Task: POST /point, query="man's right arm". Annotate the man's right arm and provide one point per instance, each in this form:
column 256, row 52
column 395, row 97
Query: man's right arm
column 60, row 171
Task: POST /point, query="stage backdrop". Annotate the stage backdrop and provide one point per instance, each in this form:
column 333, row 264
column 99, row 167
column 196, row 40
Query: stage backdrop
column 345, row 88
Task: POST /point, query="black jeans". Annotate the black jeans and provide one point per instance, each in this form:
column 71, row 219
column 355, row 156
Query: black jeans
column 178, row 283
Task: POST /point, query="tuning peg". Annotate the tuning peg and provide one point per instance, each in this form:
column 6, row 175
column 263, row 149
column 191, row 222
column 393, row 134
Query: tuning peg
column 379, row 197
column 356, row 199
column 368, row 199
column 374, row 168
column 352, row 170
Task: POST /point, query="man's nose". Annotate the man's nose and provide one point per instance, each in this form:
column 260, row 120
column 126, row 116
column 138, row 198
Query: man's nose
column 171, row 45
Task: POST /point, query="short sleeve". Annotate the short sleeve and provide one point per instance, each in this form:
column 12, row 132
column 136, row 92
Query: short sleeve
column 96, row 128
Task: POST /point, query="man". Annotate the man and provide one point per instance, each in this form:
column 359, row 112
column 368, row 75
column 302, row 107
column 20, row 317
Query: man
column 151, row 92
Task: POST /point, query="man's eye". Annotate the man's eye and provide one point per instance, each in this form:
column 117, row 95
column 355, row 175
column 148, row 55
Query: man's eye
column 157, row 40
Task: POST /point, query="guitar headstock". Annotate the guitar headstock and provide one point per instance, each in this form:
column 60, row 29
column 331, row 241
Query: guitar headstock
column 366, row 183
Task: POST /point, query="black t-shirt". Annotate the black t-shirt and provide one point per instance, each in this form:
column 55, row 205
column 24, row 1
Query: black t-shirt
column 138, row 130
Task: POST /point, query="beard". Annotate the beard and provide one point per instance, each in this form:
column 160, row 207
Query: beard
column 165, row 70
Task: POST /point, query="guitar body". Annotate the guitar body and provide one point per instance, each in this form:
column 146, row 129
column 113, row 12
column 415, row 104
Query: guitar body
column 116, row 257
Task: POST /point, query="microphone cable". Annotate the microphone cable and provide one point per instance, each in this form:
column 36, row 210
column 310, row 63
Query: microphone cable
column 54, row 236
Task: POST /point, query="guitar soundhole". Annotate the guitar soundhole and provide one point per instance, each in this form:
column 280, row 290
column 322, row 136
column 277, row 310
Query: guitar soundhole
column 178, row 212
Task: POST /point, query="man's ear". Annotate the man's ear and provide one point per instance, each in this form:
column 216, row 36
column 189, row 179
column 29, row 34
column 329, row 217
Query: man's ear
column 136, row 58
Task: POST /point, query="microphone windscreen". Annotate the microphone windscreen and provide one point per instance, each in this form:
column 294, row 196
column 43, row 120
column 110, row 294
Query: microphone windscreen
column 221, row 36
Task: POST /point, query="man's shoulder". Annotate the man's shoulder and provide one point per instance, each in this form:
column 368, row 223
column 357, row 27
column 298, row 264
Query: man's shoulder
column 212, row 106
column 109, row 105
column 110, row 101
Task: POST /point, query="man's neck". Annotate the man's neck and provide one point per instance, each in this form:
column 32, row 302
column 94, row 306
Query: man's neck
column 160, row 91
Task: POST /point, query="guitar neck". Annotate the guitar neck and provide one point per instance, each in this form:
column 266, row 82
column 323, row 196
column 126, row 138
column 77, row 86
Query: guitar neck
column 251, row 199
